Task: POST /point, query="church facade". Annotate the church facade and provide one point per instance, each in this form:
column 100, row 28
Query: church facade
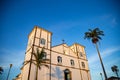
column 66, row 62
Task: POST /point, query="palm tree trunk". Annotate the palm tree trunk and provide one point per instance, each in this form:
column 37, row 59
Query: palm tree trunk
column 36, row 73
column 101, row 62
column 8, row 73
column 117, row 74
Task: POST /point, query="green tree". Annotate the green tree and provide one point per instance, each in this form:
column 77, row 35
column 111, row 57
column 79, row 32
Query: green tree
column 95, row 36
column 1, row 70
column 38, row 60
column 115, row 69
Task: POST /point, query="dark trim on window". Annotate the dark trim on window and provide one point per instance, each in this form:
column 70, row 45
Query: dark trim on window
column 59, row 59
column 72, row 62
column 83, row 64
column 42, row 41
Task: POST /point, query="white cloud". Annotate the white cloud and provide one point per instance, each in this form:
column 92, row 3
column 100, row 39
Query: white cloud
column 15, row 57
column 110, row 51
column 110, row 19
column 114, row 22
column 94, row 58
column 94, row 63
column 106, row 16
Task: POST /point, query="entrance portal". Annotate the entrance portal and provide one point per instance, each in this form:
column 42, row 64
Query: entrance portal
column 67, row 74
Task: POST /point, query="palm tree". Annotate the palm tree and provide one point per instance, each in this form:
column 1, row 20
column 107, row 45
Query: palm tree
column 94, row 35
column 115, row 69
column 9, row 71
column 101, row 76
column 1, row 70
column 39, row 60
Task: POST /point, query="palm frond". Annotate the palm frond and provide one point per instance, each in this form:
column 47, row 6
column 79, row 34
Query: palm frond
column 46, row 59
column 90, row 30
column 87, row 35
column 112, row 68
column 26, row 62
column 96, row 29
column 46, row 66
column 115, row 68
column 1, row 70
column 94, row 34
column 39, row 67
column 98, row 37
column 43, row 64
column 29, row 61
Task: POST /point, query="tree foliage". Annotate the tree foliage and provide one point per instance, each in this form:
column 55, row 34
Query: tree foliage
column 38, row 60
column 115, row 69
column 1, row 70
column 94, row 35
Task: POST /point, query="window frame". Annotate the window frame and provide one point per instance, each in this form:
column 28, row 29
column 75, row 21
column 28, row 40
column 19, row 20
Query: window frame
column 42, row 41
column 83, row 64
column 72, row 62
column 67, row 74
column 59, row 59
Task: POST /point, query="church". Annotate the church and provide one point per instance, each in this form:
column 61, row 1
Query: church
column 66, row 62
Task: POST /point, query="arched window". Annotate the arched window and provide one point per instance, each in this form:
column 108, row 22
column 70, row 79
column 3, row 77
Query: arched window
column 67, row 74
column 59, row 59
column 72, row 62
column 42, row 41
column 83, row 64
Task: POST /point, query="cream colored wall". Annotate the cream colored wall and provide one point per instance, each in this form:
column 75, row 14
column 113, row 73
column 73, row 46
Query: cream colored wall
column 86, row 64
column 75, row 74
column 81, row 49
column 26, row 67
column 66, row 52
column 72, row 54
column 89, row 75
column 25, row 72
column 44, row 73
column 58, row 73
column 30, row 39
column 58, row 49
column 64, row 49
column 41, row 33
column 39, row 48
column 32, row 72
column 65, row 60
column 84, row 75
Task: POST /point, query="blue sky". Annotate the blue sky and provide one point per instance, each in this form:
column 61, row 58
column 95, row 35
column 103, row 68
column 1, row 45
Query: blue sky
column 66, row 19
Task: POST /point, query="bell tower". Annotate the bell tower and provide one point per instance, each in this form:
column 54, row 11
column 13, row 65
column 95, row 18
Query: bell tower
column 37, row 39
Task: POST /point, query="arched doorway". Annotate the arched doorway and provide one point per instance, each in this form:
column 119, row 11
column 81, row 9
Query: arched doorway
column 67, row 74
